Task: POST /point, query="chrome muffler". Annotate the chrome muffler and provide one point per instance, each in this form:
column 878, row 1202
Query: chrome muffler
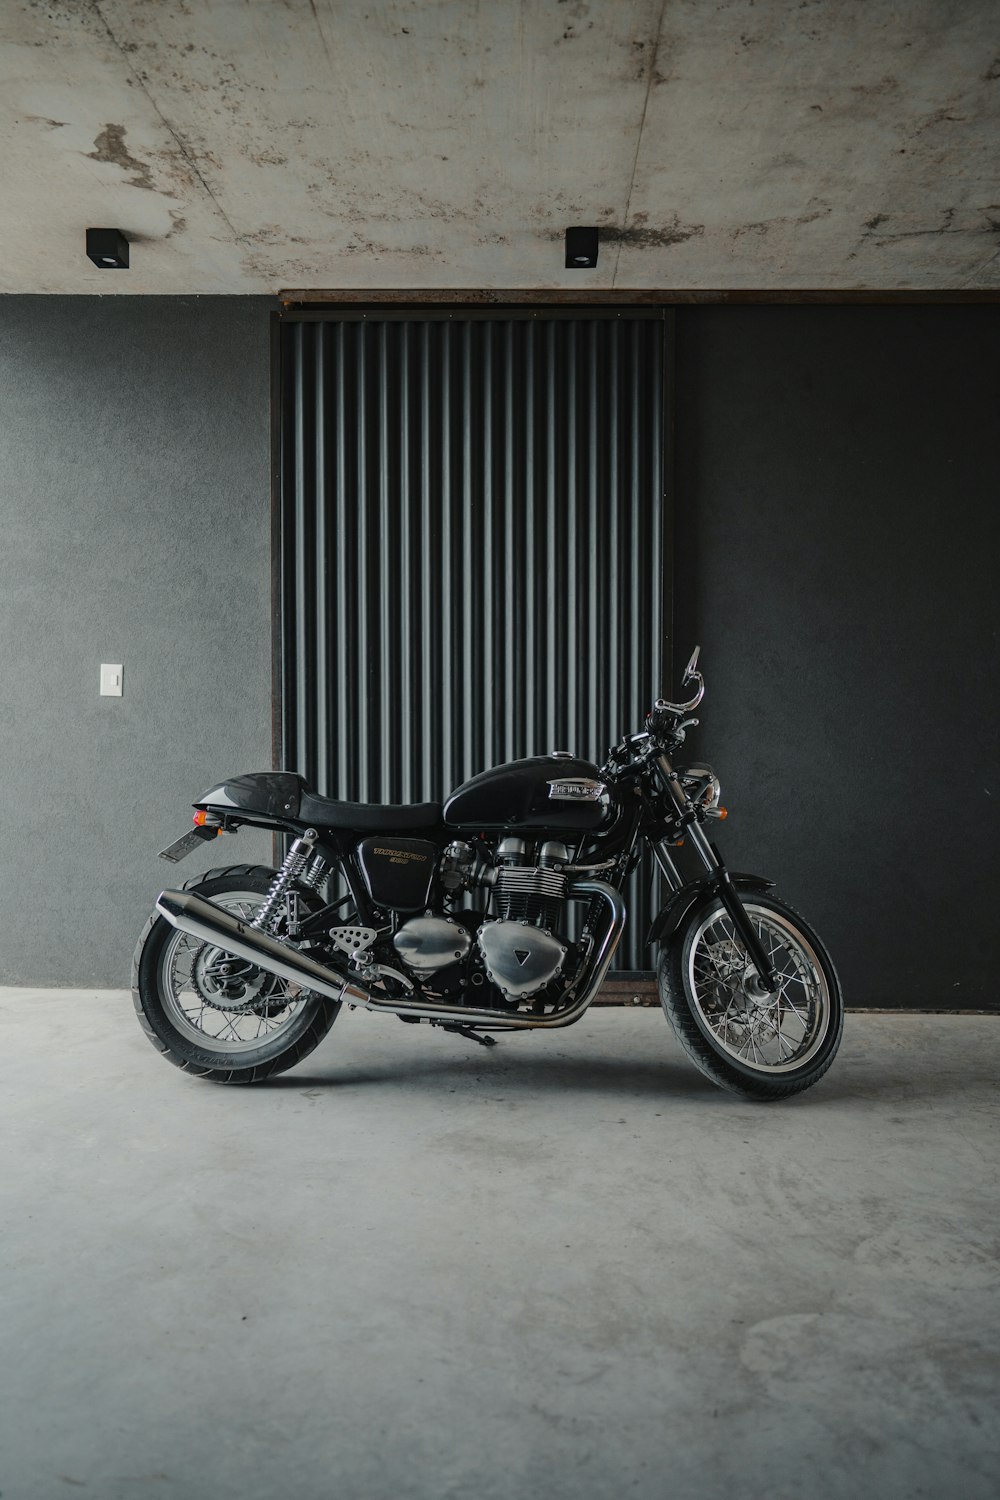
column 204, row 920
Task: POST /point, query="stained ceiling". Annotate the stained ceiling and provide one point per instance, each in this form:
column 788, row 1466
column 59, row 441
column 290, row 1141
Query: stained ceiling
column 262, row 145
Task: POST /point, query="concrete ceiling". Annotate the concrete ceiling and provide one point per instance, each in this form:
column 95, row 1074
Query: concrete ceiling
column 260, row 145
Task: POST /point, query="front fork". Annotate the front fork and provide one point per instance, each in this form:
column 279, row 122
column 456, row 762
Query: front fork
column 721, row 881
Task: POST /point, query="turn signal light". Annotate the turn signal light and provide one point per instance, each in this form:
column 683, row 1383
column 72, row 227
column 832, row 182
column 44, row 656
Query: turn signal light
column 201, row 818
column 722, row 813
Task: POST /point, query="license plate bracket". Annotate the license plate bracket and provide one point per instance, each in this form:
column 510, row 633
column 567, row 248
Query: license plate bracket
column 188, row 842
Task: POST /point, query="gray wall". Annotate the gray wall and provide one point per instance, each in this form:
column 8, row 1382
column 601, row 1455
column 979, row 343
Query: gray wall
column 134, row 498
column 837, row 538
column 837, row 557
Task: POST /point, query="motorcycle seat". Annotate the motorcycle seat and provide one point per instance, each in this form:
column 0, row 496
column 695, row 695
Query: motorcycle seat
column 367, row 817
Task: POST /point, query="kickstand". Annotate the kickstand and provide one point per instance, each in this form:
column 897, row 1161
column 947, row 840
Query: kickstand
column 484, row 1040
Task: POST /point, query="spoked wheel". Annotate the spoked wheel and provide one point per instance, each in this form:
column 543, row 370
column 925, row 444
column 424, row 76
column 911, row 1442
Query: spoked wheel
column 754, row 1042
column 214, row 1014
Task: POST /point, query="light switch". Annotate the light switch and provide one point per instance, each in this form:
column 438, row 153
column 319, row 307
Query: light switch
column 111, row 679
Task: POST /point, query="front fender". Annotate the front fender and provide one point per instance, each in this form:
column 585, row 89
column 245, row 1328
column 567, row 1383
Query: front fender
column 672, row 914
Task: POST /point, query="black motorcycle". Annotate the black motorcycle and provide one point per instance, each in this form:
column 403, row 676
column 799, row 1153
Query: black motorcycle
column 501, row 909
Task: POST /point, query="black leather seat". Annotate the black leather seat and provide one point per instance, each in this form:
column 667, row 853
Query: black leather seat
column 367, row 817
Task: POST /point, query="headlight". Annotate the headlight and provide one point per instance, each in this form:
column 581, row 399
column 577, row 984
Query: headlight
column 712, row 792
column 702, row 785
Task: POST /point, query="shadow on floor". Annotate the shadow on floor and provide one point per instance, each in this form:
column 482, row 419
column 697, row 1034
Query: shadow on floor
column 850, row 1082
column 585, row 1075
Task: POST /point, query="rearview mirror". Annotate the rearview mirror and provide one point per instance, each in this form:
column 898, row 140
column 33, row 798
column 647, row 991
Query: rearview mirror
column 691, row 670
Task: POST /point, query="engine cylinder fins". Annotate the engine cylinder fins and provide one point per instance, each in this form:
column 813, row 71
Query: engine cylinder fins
column 532, row 878
column 529, row 894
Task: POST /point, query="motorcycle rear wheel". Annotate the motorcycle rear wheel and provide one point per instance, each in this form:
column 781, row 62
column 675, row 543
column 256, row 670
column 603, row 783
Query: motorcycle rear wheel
column 215, row 1016
column 745, row 1039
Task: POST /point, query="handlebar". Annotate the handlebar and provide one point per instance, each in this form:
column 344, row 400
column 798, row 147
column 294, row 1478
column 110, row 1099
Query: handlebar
column 665, row 720
column 663, row 711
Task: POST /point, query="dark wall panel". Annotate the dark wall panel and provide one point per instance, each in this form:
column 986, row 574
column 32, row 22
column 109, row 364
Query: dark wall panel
column 837, row 553
column 474, row 546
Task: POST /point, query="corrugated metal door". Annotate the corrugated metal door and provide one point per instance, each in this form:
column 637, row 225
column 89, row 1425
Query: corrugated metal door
column 473, row 548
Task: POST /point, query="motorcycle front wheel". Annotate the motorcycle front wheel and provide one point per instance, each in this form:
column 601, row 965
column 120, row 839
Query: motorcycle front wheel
column 215, row 1015
column 755, row 1043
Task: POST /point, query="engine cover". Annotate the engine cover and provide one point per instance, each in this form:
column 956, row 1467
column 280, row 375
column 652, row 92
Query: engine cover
column 520, row 959
column 427, row 944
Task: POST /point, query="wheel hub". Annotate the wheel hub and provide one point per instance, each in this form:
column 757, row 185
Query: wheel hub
column 227, row 983
column 770, row 1032
column 755, row 989
column 748, row 1006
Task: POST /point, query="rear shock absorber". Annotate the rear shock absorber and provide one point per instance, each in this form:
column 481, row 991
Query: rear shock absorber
column 314, row 876
column 295, row 862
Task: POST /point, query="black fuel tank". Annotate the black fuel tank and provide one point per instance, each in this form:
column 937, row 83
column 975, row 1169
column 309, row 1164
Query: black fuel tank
column 556, row 792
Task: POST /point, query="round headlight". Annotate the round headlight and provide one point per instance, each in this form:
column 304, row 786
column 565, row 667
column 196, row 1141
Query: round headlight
column 713, row 791
column 702, row 785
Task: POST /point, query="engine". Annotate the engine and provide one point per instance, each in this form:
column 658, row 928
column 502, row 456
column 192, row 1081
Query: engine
column 530, row 893
column 520, row 959
column 517, row 947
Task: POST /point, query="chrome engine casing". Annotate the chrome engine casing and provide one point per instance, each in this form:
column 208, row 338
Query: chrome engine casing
column 427, row 944
column 520, row 959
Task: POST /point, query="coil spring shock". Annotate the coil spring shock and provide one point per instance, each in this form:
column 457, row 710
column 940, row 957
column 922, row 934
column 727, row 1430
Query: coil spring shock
column 315, row 875
column 295, row 862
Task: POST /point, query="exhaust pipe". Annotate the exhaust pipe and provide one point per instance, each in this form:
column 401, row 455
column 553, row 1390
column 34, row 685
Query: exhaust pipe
column 204, row 920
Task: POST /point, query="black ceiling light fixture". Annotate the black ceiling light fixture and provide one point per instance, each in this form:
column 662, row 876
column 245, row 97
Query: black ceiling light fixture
column 108, row 249
column 581, row 249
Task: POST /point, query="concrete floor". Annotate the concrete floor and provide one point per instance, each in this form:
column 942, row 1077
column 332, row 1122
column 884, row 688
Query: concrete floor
column 568, row 1267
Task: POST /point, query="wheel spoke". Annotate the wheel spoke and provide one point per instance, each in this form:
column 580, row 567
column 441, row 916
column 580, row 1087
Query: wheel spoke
column 795, row 1011
column 776, row 1031
column 239, row 1009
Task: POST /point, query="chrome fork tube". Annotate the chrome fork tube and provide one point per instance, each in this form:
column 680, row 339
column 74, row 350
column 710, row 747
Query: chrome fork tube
column 665, row 860
column 693, row 831
column 727, row 892
column 698, row 839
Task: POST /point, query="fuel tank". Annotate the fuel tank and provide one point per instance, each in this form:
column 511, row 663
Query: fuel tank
column 552, row 792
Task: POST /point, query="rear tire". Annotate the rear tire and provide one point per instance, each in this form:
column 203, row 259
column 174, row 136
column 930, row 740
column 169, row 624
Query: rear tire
column 755, row 1044
column 241, row 1026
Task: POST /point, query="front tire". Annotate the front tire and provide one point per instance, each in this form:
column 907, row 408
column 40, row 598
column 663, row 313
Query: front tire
column 753, row 1043
column 215, row 1016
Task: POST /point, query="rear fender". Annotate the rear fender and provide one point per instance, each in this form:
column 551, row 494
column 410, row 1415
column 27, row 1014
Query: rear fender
column 671, row 916
column 271, row 795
